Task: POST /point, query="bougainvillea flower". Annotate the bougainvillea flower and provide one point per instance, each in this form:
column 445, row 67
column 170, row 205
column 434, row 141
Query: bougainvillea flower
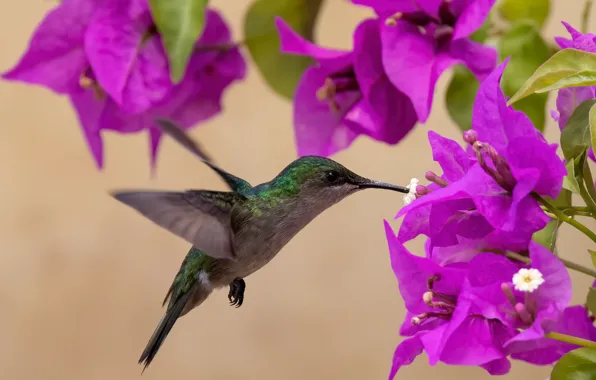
column 110, row 44
column 106, row 57
column 126, row 56
column 540, row 309
column 489, row 197
column 345, row 94
column 421, row 39
column 579, row 41
column 450, row 224
column 534, row 348
column 441, row 321
column 55, row 57
column 451, row 210
column 524, row 161
column 195, row 99
column 486, row 310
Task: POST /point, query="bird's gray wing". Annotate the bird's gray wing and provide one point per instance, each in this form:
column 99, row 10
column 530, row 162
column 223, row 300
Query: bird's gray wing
column 200, row 217
column 171, row 129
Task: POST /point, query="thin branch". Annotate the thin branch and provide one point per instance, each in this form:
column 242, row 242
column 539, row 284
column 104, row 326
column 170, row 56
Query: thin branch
column 571, row 339
column 567, row 219
column 567, row 263
column 586, row 16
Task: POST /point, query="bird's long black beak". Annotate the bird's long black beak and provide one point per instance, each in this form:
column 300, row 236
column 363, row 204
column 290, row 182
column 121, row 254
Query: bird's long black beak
column 369, row 184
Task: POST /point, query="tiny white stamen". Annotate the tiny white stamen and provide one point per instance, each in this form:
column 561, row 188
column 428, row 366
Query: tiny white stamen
column 527, row 280
column 411, row 196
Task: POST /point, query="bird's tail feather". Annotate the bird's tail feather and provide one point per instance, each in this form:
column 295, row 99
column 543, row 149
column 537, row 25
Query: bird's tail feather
column 163, row 329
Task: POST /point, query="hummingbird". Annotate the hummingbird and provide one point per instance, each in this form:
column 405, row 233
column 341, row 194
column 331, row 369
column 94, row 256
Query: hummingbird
column 235, row 233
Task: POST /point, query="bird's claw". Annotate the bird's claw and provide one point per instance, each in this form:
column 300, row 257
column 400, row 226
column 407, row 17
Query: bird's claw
column 236, row 294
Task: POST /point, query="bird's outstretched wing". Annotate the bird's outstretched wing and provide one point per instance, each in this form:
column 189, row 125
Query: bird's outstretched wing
column 181, row 137
column 200, row 217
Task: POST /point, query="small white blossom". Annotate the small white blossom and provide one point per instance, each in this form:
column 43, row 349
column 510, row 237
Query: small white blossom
column 527, row 280
column 411, row 196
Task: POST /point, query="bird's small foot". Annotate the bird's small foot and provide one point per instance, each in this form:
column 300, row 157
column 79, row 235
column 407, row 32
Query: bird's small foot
column 236, row 294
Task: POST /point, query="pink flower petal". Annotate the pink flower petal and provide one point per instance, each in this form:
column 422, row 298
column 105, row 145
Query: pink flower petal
column 112, row 42
column 472, row 18
column 55, row 58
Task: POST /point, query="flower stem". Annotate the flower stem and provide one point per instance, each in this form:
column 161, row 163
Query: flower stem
column 577, row 267
column 555, row 211
column 495, row 31
column 587, row 198
column 575, row 210
column 567, row 263
column 571, row 339
column 517, row 256
column 586, row 16
column 217, row 47
column 570, row 211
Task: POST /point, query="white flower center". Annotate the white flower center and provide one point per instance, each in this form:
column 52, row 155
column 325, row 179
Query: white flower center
column 411, row 196
column 527, row 280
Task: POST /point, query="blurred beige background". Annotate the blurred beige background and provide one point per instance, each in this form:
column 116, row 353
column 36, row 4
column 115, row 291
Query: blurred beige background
column 82, row 277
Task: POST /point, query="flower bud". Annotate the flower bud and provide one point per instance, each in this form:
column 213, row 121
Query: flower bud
column 500, row 171
column 431, row 176
column 470, row 136
column 523, row 314
column 421, row 190
column 506, row 288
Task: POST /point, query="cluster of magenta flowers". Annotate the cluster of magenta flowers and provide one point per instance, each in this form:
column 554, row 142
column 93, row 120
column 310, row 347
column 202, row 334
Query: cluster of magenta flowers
column 385, row 85
column 108, row 58
column 485, row 292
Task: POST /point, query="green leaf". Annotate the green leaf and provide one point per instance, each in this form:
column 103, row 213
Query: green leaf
column 563, row 200
column 575, row 137
column 534, row 107
column 547, row 236
column 482, row 33
column 528, row 50
column 592, row 120
column 518, row 10
column 591, row 300
column 180, row 23
column 570, row 181
column 588, row 181
column 580, row 79
column 566, row 63
column 281, row 71
column 593, row 256
column 579, row 364
column 460, row 97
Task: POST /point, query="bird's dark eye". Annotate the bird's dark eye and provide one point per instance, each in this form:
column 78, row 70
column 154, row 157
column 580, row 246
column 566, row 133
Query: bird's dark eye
column 332, row 176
